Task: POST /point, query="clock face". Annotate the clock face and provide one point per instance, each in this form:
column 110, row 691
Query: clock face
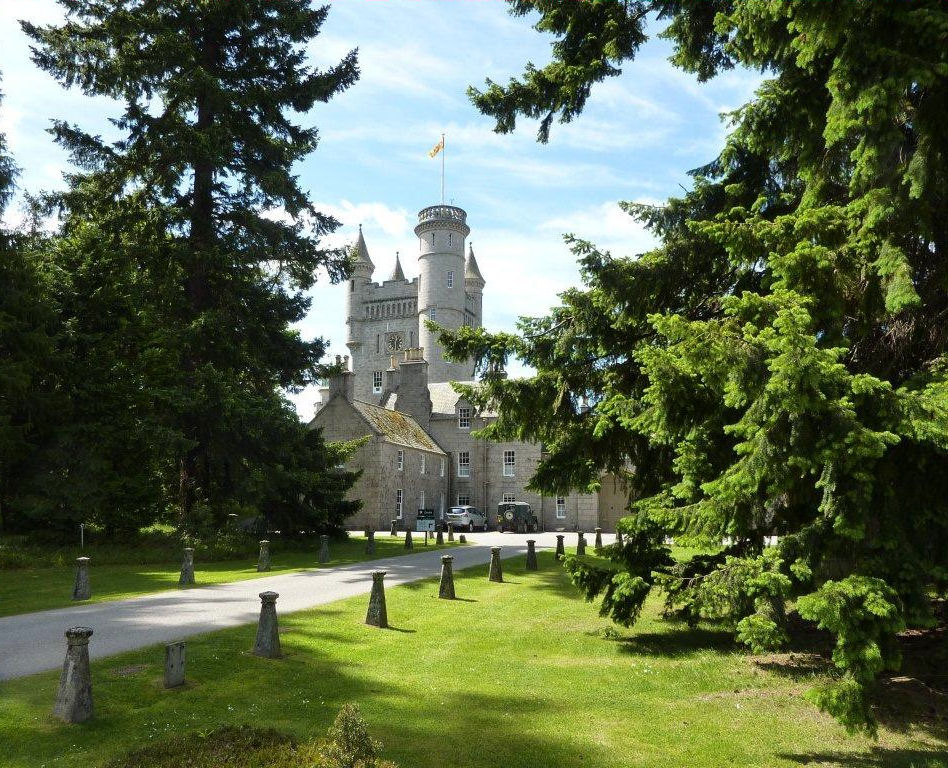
column 395, row 342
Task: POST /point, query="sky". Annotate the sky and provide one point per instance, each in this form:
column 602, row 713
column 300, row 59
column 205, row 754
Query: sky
column 640, row 134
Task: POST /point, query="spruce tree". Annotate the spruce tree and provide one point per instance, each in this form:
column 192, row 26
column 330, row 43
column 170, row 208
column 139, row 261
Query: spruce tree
column 779, row 364
column 202, row 175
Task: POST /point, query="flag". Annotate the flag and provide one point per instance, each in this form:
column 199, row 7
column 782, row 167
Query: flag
column 437, row 148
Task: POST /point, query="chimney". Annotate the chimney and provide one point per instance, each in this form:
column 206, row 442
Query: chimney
column 391, row 376
column 413, row 396
column 342, row 383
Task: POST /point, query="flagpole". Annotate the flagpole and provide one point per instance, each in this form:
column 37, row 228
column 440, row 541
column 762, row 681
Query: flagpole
column 443, row 152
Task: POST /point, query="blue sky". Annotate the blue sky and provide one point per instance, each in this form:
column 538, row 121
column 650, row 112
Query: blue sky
column 638, row 137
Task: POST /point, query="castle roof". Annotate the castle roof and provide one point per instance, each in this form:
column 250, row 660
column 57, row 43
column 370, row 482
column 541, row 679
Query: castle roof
column 396, row 427
column 397, row 273
column 361, row 251
column 444, row 399
column 471, row 270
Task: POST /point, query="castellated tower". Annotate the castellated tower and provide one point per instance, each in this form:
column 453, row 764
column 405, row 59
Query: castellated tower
column 442, row 294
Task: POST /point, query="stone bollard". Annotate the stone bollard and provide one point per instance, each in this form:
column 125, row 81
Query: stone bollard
column 263, row 559
column 174, row 665
column 599, row 538
column 408, row 541
column 446, row 587
column 377, row 615
column 74, row 697
column 267, row 643
column 439, row 538
column 394, row 527
column 560, row 547
column 82, row 589
column 370, row 542
column 581, row 544
column 531, row 555
column 187, row 568
column 495, row 574
column 324, row 549
column 462, row 539
column 450, row 532
column 619, row 537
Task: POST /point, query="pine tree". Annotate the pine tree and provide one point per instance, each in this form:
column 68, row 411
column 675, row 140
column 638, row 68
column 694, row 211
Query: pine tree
column 203, row 174
column 779, row 365
column 28, row 335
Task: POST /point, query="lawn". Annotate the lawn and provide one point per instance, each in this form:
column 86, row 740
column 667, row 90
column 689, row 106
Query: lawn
column 37, row 589
column 514, row 675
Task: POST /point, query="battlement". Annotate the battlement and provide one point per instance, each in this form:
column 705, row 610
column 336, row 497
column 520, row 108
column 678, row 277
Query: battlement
column 443, row 212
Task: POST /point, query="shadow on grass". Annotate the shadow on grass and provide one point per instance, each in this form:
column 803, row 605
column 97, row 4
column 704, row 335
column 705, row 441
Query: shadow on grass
column 890, row 758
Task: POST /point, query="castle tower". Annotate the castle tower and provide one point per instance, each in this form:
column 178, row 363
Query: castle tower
column 441, row 231
column 474, row 286
column 361, row 278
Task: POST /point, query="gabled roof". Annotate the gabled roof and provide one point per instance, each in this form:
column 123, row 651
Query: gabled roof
column 444, row 399
column 396, row 427
column 397, row 273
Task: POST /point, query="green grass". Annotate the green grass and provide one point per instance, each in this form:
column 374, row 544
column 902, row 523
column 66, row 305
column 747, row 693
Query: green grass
column 37, row 589
column 514, row 675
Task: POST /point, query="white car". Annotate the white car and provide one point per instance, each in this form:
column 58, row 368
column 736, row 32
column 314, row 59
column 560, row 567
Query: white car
column 466, row 517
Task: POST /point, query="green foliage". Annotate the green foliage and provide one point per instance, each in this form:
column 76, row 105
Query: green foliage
column 349, row 744
column 779, row 364
column 181, row 265
column 625, row 576
column 864, row 614
column 227, row 747
column 28, row 333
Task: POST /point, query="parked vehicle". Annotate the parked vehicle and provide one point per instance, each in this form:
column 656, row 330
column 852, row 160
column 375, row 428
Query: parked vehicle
column 516, row 516
column 466, row 517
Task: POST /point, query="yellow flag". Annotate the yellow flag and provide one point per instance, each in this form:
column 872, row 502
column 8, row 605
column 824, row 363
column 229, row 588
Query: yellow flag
column 437, row 148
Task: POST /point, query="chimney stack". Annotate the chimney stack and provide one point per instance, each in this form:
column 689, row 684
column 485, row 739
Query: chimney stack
column 342, row 383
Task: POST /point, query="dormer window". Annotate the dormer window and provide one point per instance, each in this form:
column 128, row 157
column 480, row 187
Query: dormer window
column 464, row 418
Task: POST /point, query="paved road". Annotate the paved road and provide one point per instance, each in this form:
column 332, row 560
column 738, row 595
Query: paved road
column 33, row 642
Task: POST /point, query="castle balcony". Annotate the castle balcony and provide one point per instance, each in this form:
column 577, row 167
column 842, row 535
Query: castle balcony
column 442, row 213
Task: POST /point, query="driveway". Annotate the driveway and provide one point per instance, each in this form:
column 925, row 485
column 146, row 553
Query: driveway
column 34, row 642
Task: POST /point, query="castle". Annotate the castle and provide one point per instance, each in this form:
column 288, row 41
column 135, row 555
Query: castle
column 396, row 391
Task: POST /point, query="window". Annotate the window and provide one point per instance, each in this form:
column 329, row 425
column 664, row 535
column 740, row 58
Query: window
column 463, row 499
column 398, row 503
column 424, row 462
column 352, row 286
column 441, row 504
column 432, row 314
column 421, row 500
column 450, row 278
column 510, row 462
column 377, row 382
column 464, row 418
column 411, row 339
column 378, row 343
column 401, row 460
column 560, row 507
column 508, row 498
column 464, row 464
column 442, row 467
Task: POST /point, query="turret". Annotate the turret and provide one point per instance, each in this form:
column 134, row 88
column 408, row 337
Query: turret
column 441, row 231
column 398, row 274
column 474, row 286
column 360, row 277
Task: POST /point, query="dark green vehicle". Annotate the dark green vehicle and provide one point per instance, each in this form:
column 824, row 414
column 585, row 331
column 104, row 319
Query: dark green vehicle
column 516, row 516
